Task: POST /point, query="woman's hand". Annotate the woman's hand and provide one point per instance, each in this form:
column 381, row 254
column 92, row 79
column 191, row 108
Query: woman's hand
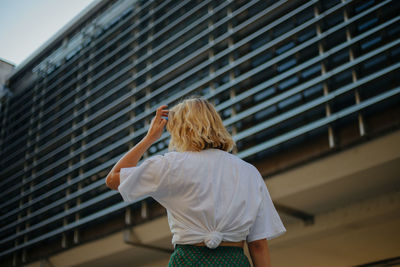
column 131, row 158
column 157, row 124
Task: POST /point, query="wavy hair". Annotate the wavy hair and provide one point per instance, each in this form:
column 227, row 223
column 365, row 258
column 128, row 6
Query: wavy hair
column 195, row 125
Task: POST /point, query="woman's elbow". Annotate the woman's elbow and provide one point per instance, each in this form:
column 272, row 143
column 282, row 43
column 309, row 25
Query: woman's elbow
column 111, row 181
column 108, row 180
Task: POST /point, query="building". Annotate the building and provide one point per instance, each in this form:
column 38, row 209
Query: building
column 309, row 89
column 5, row 70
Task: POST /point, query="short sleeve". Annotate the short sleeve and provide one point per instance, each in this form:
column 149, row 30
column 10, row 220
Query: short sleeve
column 147, row 179
column 268, row 224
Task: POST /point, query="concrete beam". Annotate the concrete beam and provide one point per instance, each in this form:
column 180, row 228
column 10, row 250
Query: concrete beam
column 340, row 165
column 149, row 235
column 359, row 233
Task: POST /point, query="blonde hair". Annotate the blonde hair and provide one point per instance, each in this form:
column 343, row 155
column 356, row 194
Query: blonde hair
column 195, row 125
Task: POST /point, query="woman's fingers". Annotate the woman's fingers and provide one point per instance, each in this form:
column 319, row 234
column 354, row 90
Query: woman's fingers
column 162, row 114
column 163, row 122
column 161, row 110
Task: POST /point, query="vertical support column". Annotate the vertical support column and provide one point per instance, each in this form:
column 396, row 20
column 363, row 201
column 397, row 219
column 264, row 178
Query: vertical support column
column 78, row 203
column 361, row 125
column 64, row 239
column 128, row 216
column 39, row 125
column 4, row 104
column 147, row 108
column 42, row 89
column 150, row 47
column 148, row 73
column 128, row 210
column 76, row 237
column 35, row 111
column 144, row 208
column 211, row 49
column 275, row 65
column 64, row 242
column 132, row 113
column 232, row 92
column 146, row 154
column 26, row 225
column 5, row 107
column 331, row 136
column 133, row 59
column 28, row 212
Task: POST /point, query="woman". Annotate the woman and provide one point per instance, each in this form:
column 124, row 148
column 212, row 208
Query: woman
column 215, row 201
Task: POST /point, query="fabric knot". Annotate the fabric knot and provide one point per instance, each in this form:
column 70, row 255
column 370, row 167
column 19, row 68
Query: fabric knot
column 213, row 239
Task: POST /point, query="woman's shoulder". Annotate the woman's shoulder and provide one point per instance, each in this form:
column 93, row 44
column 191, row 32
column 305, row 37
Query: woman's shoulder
column 159, row 158
column 215, row 155
column 173, row 156
column 236, row 161
column 241, row 161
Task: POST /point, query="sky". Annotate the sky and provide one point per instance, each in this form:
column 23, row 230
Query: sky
column 27, row 24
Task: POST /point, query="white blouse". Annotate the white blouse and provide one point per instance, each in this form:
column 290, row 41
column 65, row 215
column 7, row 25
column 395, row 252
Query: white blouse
column 210, row 196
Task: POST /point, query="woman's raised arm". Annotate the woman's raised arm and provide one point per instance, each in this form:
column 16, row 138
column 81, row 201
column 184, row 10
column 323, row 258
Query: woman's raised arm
column 131, row 158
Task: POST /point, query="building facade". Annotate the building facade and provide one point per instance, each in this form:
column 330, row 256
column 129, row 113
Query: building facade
column 309, row 90
column 6, row 69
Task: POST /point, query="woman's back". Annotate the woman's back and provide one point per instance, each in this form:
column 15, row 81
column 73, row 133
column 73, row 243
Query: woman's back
column 213, row 191
column 210, row 196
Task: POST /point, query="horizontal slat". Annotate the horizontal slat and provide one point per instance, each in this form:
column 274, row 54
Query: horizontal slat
column 318, row 124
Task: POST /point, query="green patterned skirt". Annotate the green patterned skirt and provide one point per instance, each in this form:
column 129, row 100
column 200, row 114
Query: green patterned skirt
column 189, row 255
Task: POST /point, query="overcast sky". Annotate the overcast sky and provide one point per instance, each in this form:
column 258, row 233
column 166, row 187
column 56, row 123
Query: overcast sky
column 26, row 24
